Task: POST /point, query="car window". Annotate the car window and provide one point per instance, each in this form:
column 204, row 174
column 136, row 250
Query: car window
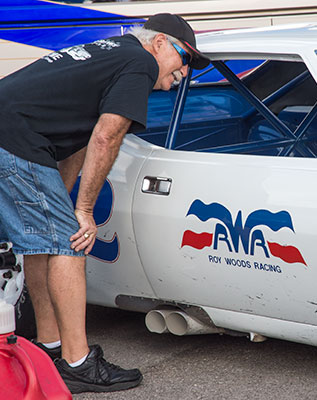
column 259, row 113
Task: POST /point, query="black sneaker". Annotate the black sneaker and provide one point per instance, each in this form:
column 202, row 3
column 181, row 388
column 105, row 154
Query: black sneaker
column 53, row 353
column 97, row 375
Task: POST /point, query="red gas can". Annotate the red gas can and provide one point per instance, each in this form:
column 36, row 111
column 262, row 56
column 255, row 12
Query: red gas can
column 26, row 372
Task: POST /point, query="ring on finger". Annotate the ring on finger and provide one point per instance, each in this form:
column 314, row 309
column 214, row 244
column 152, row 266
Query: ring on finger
column 86, row 235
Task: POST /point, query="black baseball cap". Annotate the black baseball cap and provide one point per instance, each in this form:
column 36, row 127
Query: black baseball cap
column 176, row 26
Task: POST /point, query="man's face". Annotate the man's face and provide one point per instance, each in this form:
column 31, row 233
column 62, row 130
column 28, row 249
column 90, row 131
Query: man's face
column 170, row 63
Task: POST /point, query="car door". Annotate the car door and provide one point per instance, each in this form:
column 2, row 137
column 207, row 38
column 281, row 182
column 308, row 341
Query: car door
column 234, row 232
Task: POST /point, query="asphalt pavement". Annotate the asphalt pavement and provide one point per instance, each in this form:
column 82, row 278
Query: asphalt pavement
column 201, row 367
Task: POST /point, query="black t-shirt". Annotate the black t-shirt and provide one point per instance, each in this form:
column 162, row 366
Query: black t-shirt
column 49, row 108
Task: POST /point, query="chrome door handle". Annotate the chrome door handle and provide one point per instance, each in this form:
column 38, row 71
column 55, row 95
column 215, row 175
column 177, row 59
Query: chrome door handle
column 156, row 185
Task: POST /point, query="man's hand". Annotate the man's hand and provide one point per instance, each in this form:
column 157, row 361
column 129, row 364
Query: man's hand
column 85, row 238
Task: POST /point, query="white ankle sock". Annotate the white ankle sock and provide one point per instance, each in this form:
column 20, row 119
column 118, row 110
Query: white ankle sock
column 52, row 345
column 79, row 362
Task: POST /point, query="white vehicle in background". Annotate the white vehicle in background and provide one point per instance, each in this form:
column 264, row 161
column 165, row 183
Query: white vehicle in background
column 207, row 224
column 215, row 14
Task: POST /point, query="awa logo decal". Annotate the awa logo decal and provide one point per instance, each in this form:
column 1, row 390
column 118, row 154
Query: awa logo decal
column 238, row 235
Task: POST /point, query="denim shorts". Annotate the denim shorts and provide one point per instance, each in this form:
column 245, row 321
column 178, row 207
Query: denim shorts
column 36, row 212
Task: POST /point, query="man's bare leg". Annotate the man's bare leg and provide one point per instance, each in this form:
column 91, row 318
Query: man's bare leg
column 57, row 286
column 67, row 288
column 36, row 272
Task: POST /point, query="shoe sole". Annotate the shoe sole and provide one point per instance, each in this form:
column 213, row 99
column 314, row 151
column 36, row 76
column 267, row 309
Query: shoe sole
column 80, row 387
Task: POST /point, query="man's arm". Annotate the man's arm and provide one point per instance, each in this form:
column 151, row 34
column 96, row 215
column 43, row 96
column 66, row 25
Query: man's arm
column 102, row 150
column 70, row 167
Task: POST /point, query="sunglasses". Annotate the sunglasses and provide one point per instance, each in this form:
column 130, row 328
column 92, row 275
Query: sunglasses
column 186, row 57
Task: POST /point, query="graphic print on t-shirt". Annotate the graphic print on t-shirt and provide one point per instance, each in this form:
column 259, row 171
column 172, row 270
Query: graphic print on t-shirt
column 79, row 53
column 106, row 44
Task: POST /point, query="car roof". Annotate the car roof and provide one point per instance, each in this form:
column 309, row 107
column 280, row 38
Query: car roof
column 281, row 39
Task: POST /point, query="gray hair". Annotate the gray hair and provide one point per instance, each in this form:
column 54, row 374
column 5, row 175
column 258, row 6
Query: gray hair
column 146, row 36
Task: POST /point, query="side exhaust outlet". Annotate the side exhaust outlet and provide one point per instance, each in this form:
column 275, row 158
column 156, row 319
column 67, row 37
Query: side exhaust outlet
column 155, row 320
column 180, row 324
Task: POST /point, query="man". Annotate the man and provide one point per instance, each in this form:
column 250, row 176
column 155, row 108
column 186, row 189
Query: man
column 74, row 107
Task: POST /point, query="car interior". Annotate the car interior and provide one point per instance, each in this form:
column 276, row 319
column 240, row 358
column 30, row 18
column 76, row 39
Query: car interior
column 262, row 107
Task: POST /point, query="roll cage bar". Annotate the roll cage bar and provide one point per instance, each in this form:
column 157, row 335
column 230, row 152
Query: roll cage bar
column 289, row 141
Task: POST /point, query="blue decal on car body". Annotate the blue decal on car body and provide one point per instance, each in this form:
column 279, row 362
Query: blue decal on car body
column 103, row 250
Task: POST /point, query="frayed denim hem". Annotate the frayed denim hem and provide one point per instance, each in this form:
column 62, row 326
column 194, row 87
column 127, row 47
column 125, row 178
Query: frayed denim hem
column 55, row 252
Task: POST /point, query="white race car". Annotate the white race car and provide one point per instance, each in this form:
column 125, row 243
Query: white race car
column 208, row 224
